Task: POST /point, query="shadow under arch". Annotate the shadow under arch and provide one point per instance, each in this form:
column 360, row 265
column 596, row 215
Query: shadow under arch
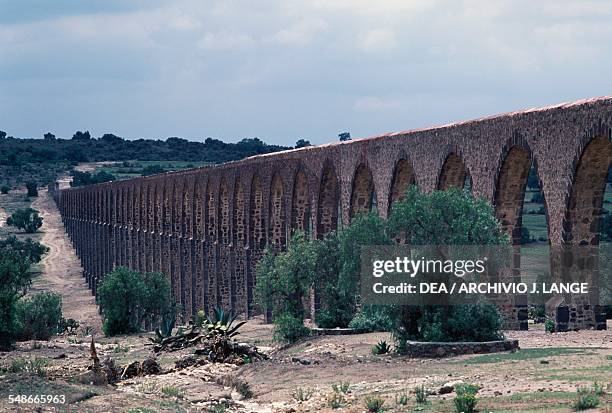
column 362, row 191
column 454, row 173
column 300, row 205
column 403, row 178
column 329, row 199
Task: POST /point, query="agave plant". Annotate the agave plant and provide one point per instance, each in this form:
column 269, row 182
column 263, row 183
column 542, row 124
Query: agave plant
column 381, row 348
column 221, row 323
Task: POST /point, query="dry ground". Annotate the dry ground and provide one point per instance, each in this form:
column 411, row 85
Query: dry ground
column 542, row 376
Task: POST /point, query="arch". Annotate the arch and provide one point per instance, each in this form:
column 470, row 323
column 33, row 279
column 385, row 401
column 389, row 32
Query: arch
column 300, row 206
column 403, row 177
column 362, row 194
column 187, row 215
column 510, row 191
column 584, row 208
column 453, row 173
column 277, row 213
column 329, row 197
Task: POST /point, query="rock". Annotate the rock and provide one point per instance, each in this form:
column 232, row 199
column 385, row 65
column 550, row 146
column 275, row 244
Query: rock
column 60, row 356
column 303, row 361
column 497, row 393
column 449, row 387
column 544, row 362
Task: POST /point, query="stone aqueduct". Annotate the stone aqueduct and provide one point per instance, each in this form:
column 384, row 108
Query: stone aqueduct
column 206, row 228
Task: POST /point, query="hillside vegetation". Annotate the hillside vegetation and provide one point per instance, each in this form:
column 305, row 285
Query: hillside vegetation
column 41, row 160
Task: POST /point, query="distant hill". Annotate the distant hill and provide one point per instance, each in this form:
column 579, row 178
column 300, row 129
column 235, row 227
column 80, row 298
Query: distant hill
column 23, row 160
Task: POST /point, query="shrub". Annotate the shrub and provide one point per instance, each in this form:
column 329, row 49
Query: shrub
column 374, row 404
column 39, row 316
column 284, row 281
column 16, row 258
column 586, row 399
column 129, row 300
column 381, row 348
column 478, row 322
column 32, row 188
column 420, row 394
column 4, row 189
column 549, row 326
column 289, row 328
column 221, row 323
column 171, row 391
column 465, row 401
column 402, row 399
column 372, row 318
column 301, row 394
column 36, row 366
column 343, row 387
column 335, row 400
column 26, row 219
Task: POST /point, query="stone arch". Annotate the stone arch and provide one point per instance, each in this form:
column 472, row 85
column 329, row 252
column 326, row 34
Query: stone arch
column 211, row 224
column 186, row 211
column 584, row 208
column 329, row 198
column 510, row 190
column 453, row 173
column 300, row 214
column 362, row 193
column 198, row 210
column 403, row 177
column 277, row 213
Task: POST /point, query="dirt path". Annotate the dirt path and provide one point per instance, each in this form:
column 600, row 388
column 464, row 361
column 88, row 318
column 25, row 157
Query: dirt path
column 61, row 271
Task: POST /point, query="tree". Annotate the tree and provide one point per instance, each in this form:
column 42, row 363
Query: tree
column 2, row 134
column 111, row 139
column 344, row 136
column 449, row 217
column 533, row 182
column 152, row 170
column 26, row 219
column 49, row 136
column 287, row 278
column 16, row 257
column 4, row 189
column 32, row 188
column 81, row 136
column 302, row 143
column 130, row 300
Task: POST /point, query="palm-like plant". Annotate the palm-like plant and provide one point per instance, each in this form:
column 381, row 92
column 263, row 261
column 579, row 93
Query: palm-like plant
column 221, row 323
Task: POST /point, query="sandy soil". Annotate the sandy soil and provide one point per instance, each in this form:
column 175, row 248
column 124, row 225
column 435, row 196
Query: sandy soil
column 61, row 271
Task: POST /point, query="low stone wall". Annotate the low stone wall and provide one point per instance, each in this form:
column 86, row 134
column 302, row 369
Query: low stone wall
column 442, row 349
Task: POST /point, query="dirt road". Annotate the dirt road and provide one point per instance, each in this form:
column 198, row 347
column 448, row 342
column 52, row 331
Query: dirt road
column 61, row 271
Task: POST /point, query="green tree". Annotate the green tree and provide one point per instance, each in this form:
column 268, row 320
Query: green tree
column 287, row 283
column 4, row 189
column 32, row 188
column 129, row 300
column 39, row 316
column 449, row 217
column 26, row 219
column 152, row 170
column 302, row 143
column 16, row 257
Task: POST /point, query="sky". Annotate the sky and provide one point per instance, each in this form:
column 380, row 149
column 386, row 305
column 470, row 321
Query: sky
column 284, row 70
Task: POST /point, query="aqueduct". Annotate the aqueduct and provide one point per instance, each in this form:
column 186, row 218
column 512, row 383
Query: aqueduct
column 206, row 228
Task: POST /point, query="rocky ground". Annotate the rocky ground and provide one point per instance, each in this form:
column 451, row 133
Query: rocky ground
column 543, row 376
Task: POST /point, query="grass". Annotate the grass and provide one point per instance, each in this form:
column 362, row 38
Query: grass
column 133, row 169
column 171, row 391
column 527, row 354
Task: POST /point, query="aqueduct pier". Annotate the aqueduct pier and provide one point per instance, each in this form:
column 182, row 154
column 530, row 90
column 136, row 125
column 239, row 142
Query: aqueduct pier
column 206, row 228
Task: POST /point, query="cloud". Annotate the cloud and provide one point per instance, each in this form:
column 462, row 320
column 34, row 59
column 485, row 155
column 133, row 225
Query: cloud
column 379, row 40
column 224, row 41
column 294, row 68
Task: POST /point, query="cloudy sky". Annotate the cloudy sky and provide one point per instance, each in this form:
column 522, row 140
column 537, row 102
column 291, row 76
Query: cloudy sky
column 283, row 70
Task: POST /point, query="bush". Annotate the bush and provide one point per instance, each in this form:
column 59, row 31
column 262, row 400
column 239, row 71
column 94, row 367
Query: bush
column 32, row 188
column 374, row 404
column 129, row 300
column 381, row 348
column 371, row 319
column 549, row 326
column 26, row 219
column 39, row 317
column 289, row 328
column 478, row 322
column 586, row 399
column 4, row 189
column 537, row 198
column 420, row 394
column 16, row 258
column 284, row 281
column 465, row 401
